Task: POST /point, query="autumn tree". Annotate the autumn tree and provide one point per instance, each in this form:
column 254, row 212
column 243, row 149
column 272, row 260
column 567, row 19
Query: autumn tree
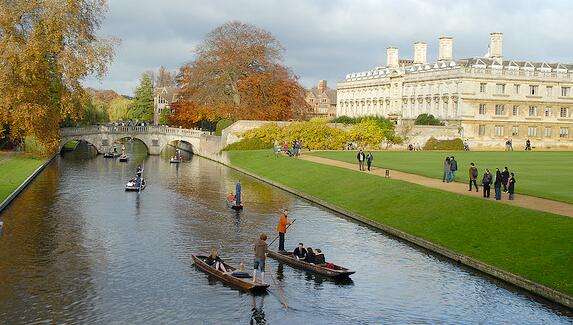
column 46, row 49
column 164, row 78
column 238, row 73
column 118, row 109
column 142, row 109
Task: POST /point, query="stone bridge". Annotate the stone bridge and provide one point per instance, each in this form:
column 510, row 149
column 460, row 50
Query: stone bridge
column 155, row 138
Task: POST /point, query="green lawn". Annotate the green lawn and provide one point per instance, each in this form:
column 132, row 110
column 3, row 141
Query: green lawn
column 536, row 245
column 541, row 174
column 14, row 169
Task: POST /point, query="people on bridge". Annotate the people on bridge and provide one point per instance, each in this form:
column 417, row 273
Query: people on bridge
column 299, row 252
column 260, row 257
column 215, row 261
column 319, row 257
column 282, row 229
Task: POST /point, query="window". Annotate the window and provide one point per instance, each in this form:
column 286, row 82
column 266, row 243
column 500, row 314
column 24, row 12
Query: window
column 547, row 112
column 563, row 112
column 498, row 129
column 533, row 89
column 532, row 131
column 500, row 88
column 516, row 89
column 549, row 91
column 481, row 109
column 514, row 130
column 324, row 100
column 563, row 132
column 547, row 132
column 499, row 110
column 481, row 129
column 532, row 111
column 515, row 110
column 565, row 91
column 482, row 87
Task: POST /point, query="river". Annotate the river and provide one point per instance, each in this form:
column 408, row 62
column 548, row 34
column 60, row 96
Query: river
column 76, row 248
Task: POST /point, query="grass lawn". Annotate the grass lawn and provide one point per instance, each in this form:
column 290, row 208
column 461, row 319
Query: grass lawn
column 541, row 174
column 14, row 169
column 536, row 245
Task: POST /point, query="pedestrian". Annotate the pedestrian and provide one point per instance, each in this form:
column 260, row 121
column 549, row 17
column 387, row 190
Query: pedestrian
column 453, row 168
column 510, row 144
column 446, row 177
column 282, row 229
column 260, row 257
column 527, row 145
column 486, row 183
column 497, row 184
column 369, row 159
column 504, row 178
column 511, row 187
column 473, row 174
column 361, row 157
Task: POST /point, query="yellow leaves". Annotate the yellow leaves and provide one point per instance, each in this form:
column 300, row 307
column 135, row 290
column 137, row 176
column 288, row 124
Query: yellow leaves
column 367, row 133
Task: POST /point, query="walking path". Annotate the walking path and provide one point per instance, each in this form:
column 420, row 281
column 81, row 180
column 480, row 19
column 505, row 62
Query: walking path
column 525, row 201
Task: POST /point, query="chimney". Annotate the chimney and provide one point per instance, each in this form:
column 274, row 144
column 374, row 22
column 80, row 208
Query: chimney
column 392, row 57
column 445, row 48
column 321, row 86
column 495, row 45
column 420, row 49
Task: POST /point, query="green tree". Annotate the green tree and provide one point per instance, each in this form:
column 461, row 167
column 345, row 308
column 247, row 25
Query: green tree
column 164, row 117
column 427, row 119
column 118, row 109
column 142, row 109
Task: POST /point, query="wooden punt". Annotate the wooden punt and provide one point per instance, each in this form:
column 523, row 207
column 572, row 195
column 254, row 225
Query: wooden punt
column 287, row 258
column 245, row 284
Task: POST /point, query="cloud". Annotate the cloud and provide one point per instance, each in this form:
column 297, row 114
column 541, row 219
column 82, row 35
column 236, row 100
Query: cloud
column 328, row 39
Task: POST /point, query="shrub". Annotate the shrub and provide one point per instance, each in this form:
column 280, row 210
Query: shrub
column 223, row 124
column 248, row 144
column 427, row 119
column 435, row 144
column 367, row 133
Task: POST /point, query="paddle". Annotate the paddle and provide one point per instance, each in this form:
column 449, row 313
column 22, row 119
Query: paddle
column 277, row 237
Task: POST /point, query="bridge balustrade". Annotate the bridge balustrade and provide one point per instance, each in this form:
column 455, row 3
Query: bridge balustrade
column 124, row 129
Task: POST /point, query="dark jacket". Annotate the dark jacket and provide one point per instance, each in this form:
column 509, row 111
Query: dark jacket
column 486, row 180
column 300, row 253
column 360, row 156
column 473, row 172
column 453, row 165
column 310, row 257
column 319, row 259
column 497, row 182
column 505, row 176
column 511, row 187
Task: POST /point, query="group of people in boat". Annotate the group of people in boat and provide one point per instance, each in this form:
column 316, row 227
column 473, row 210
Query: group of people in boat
column 137, row 181
column 308, row 254
column 234, row 199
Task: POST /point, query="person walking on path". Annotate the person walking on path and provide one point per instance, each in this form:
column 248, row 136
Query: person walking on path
column 497, row 184
column 486, row 183
column 282, row 228
column 505, row 178
column 527, row 145
column 369, row 159
column 447, row 171
column 511, row 186
column 260, row 257
column 453, row 168
column 473, row 174
column 361, row 157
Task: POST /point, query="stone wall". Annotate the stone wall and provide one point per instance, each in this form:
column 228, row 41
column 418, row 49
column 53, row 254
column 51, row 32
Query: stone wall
column 233, row 132
column 418, row 135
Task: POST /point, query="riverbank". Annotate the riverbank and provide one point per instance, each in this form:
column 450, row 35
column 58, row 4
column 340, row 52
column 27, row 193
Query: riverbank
column 530, row 244
column 15, row 168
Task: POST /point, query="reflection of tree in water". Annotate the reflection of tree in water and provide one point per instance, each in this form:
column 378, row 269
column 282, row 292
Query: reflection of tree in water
column 42, row 255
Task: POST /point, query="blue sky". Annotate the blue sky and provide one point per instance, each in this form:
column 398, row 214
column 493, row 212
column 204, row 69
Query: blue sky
column 328, row 39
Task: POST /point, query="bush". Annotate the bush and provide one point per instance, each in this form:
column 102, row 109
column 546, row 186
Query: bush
column 223, row 124
column 248, row 144
column 427, row 119
column 435, row 144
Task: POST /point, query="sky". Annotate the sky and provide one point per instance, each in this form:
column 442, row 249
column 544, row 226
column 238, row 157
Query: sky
column 327, row 39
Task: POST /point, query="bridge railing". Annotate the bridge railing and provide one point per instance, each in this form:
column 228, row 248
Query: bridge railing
column 124, row 129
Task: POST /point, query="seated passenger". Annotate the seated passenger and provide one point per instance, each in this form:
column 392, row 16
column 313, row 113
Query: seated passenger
column 319, row 257
column 299, row 252
column 310, row 256
column 231, row 198
column 215, row 261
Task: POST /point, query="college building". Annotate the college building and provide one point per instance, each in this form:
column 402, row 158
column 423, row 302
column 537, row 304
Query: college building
column 490, row 98
column 321, row 101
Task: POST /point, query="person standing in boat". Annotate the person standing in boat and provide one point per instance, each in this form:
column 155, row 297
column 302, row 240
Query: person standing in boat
column 260, row 257
column 139, row 171
column 282, row 228
column 238, row 193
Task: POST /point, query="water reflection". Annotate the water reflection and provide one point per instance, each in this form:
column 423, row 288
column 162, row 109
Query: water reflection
column 78, row 249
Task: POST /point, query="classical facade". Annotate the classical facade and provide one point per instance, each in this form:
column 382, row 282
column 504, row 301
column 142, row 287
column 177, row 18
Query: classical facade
column 491, row 98
column 162, row 98
column 322, row 100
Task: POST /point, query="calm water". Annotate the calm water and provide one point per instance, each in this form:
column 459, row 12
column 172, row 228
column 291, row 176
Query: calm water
column 78, row 249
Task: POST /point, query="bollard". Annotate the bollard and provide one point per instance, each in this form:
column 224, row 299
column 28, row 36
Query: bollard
column 387, row 174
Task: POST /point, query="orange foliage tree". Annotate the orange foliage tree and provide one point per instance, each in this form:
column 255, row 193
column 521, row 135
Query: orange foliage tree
column 237, row 73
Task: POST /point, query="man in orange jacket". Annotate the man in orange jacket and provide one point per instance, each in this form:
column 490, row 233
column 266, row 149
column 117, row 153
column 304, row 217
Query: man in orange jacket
column 282, row 228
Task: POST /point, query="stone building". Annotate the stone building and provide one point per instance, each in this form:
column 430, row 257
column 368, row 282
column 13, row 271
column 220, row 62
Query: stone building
column 491, row 98
column 162, row 99
column 322, row 100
